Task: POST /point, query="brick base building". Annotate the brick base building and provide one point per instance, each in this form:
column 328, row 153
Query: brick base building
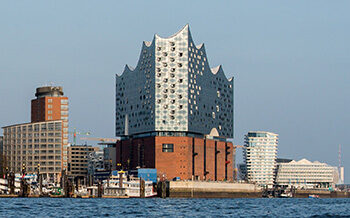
column 178, row 156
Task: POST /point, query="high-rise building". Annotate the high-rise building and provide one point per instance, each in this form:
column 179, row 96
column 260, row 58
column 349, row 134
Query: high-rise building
column 260, row 157
column 173, row 89
column 43, row 142
column 50, row 104
column 174, row 112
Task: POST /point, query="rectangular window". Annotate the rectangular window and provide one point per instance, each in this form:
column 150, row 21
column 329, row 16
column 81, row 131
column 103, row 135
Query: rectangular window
column 168, row 147
column 64, row 101
column 49, row 100
column 64, row 107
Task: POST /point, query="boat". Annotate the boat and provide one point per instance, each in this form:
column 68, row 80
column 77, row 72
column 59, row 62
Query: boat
column 314, row 196
column 286, row 195
column 124, row 185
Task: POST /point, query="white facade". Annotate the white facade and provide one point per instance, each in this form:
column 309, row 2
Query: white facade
column 307, row 174
column 260, row 157
column 173, row 89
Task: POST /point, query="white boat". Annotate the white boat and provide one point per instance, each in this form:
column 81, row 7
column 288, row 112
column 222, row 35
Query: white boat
column 123, row 186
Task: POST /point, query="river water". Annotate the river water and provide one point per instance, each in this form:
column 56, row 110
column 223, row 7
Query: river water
column 61, row 207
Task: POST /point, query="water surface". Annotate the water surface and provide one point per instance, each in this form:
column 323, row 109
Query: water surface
column 69, row 207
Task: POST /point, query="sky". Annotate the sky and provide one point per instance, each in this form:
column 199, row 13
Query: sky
column 290, row 61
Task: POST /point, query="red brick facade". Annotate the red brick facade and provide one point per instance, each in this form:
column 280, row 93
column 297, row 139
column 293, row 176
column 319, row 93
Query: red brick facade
column 203, row 159
column 47, row 108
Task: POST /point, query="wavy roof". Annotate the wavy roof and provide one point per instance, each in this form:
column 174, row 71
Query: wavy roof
column 214, row 70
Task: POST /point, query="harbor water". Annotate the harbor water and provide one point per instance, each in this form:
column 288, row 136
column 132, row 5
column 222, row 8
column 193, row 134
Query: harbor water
column 68, row 207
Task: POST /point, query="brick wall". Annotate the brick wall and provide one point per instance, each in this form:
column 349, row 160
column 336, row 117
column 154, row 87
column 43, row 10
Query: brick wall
column 148, row 152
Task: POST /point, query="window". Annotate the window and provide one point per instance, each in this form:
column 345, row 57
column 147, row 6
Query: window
column 64, row 101
column 168, row 147
column 49, row 100
column 64, row 112
column 64, row 107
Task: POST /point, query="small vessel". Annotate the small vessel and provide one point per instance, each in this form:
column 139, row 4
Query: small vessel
column 286, row 195
column 314, row 196
column 124, row 185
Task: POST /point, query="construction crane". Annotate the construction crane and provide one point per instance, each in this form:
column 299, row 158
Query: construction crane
column 235, row 170
column 75, row 133
column 101, row 140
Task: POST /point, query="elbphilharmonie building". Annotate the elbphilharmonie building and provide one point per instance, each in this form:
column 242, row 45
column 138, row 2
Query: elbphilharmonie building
column 173, row 93
column 173, row 88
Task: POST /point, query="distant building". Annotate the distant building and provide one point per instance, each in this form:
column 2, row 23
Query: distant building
column 96, row 165
column 95, row 162
column 242, row 172
column 50, row 104
column 306, row 174
column 283, row 160
column 260, row 157
column 43, row 141
column 35, row 145
column 341, row 175
column 174, row 112
column 110, row 157
column 2, row 159
column 78, row 156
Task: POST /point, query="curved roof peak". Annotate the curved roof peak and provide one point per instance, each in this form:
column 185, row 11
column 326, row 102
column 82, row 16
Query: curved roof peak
column 200, row 46
column 147, row 43
column 185, row 28
column 127, row 67
column 216, row 69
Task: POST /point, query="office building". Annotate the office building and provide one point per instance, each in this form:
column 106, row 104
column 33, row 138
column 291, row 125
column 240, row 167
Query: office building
column 260, row 157
column 43, row 141
column 306, row 174
column 174, row 112
column 78, row 157
column 35, row 145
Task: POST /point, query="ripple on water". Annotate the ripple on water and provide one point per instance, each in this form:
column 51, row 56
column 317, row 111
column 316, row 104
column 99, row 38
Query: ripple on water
column 50, row 207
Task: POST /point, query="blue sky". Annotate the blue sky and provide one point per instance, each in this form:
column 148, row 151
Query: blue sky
column 290, row 60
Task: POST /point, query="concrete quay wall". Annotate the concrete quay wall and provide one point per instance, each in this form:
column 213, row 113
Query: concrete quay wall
column 201, row 189
column 321, row 194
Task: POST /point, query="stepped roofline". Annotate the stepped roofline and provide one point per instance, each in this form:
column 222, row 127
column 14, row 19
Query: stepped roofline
column 215, row 70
